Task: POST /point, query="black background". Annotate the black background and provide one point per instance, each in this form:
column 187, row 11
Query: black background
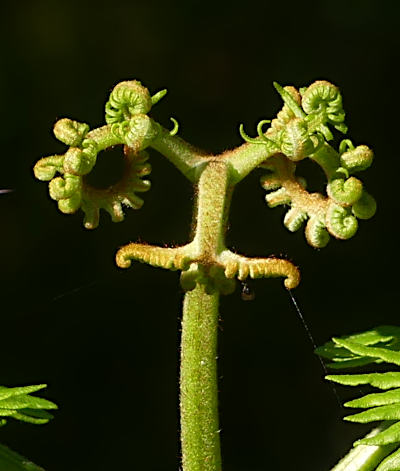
column 105, row 340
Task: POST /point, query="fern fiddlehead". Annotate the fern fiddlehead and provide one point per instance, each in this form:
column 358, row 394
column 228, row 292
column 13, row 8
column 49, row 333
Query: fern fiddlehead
column 208, row 268
column 127, row 125
column 301, row 131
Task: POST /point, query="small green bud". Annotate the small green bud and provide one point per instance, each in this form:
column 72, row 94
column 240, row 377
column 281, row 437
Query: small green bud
column 277, row 197
column 64, row 187
column 365, row 207
column 296, row 142
column 70, row 205
column 70, row 132
column 294, row 219
column 46, row 168
column 126, row 100
column 357, row 159
column 345, row 192
column 78, row 162
column 142, row 131
column 322, row 95
column 316, row 234
column 340, row 223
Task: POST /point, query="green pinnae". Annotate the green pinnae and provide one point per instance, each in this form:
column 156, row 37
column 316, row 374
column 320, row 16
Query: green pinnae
column 378, row 345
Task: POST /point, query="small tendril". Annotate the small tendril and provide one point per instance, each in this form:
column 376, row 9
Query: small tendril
column 158, row 96
column 288, row 99
column 260, row 131
column 343, row 171
column 285, row 114
column 245, row 137
column 345, row 144
column 261, row 139
column 175, row 129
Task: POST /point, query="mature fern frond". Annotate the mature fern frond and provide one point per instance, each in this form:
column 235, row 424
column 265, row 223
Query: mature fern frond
column 12, row 461
column 18, row 404
column 379, row 345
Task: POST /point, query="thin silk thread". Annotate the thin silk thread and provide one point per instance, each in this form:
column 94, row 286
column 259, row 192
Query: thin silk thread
column 307, row 329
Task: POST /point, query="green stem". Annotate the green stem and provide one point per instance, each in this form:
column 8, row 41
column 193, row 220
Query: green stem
column 247, row 157
column 184, row 156
column 213, row 200
column 328, row 159
column 198, row 382
column 103, row 137
column 365, row 457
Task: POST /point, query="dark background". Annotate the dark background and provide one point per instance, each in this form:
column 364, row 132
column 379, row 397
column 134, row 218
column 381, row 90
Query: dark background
column 105, row 340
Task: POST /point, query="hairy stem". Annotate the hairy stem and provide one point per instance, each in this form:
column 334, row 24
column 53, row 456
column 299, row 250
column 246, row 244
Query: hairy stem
column 213, row 200
column 246, row 158
column 198, row 382
column 184, row 156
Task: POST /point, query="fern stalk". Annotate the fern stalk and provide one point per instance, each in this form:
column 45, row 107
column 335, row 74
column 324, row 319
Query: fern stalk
column 198, row 378
column 198, row 382
column 208, row 268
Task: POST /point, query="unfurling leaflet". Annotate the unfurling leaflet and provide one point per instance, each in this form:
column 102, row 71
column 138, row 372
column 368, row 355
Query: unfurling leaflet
column 128, row 126
column 300, row 131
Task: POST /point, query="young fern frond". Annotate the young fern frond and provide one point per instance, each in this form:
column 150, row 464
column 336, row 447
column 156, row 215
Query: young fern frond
column 300, row 131
column 379, row 345
column 208, row 268
column 127, row 125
